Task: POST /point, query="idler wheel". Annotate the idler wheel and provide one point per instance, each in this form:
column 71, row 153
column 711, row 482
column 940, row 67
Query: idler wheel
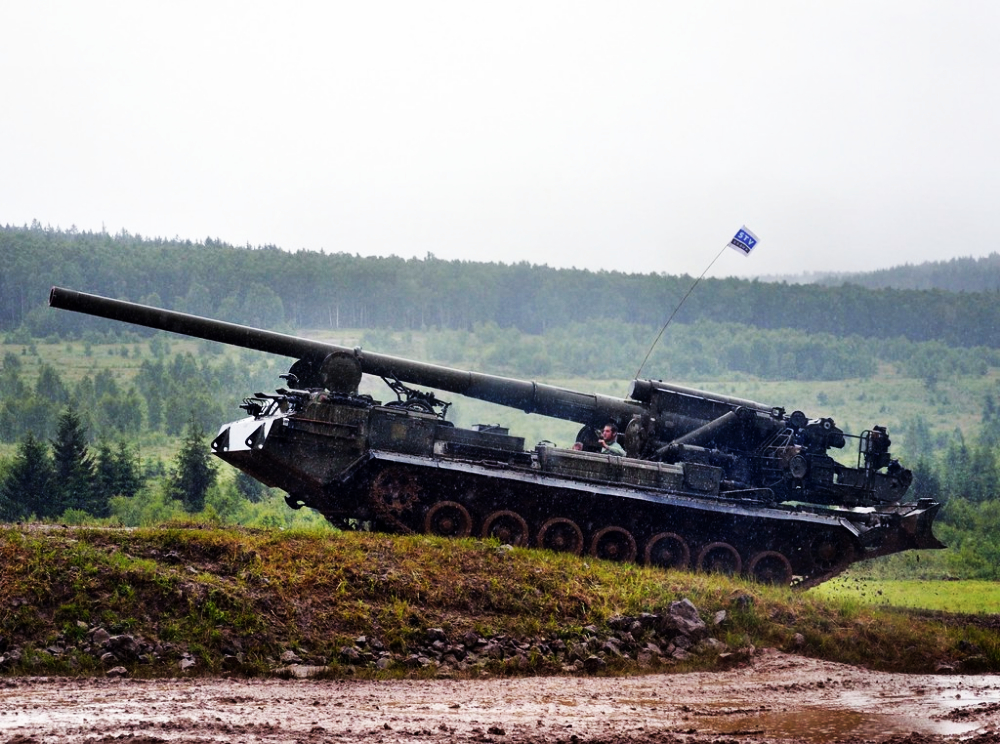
column 508, row 527
column 448, row 519
column 771, row 567
column 561, row 535
column 720, row 557
column 613, row 544
column 667, row 550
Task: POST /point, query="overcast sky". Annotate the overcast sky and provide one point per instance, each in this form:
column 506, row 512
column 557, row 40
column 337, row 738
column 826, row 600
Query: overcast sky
column 636, row 136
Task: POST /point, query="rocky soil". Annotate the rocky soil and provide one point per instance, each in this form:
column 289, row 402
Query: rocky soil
column 643, row 642
column 771, row 698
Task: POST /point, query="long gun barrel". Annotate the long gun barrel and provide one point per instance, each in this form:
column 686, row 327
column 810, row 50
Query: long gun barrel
column 528, row 396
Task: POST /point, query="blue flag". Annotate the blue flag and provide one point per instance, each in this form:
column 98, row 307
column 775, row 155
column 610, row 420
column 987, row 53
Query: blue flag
column 744, row 241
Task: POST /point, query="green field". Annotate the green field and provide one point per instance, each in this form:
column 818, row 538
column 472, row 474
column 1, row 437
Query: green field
column 968, row 597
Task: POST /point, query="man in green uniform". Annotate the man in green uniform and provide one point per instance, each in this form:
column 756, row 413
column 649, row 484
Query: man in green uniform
column 609, row 441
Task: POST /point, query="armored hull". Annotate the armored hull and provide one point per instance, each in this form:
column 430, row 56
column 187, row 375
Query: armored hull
column 398, row 470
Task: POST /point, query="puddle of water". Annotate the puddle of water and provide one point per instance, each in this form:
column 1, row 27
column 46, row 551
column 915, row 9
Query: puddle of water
column 939, row 703
column 822, row 725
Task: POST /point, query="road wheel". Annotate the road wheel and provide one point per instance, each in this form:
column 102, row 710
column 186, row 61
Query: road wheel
column 720, row 557
column 561, row 535
column 667, row 550
column 508, row 527
column 448, row 519
column 770, row 567
column 613, row 544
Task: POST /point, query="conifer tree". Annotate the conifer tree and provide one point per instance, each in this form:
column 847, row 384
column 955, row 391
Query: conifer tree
column 989, row 435
column 75, row 470
column 118, row 472
column 105, row 476
column 50, row 385
column 129, row 469
column 250, row 488
column 926, row 481
column 28, row 487
column 194, row 472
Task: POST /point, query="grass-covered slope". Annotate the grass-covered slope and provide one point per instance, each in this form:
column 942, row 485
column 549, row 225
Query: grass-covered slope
column 153, row 601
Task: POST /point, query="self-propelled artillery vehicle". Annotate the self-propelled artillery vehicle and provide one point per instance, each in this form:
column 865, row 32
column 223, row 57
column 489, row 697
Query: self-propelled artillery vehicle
column 709, row 482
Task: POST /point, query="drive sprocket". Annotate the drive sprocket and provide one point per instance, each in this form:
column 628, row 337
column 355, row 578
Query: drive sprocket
column 395, row 491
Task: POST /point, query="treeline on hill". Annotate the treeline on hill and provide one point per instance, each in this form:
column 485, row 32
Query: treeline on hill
column 954, row 275
column 613, row 350
column 276, row 289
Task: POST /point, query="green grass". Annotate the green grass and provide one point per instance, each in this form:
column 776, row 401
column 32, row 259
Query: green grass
column 966, row 597
column 207, row 590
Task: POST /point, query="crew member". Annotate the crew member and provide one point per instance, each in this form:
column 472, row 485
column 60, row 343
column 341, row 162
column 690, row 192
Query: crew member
column 609, row 441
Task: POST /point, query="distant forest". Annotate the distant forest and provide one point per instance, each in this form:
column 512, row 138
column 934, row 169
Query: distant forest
column 276, row 289
column 953, row 275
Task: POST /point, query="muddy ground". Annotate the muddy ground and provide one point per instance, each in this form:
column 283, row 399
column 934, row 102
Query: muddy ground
column 775, row 698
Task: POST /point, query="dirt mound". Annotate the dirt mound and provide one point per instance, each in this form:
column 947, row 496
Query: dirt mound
column 162, row 602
